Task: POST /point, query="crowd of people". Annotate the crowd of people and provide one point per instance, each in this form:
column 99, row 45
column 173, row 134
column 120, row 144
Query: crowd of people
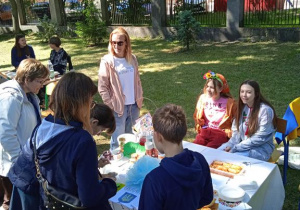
column 60, row 150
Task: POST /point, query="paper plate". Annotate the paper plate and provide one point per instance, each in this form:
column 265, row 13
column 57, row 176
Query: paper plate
column 129, row 137
column 231, row 193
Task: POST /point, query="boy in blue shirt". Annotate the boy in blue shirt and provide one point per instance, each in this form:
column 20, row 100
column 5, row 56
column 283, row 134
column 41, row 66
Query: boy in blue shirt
column 182, row 181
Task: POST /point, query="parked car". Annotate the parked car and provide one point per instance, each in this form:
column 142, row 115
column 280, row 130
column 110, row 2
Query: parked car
column 75, row 13
column 5, row 13
column 41, row 9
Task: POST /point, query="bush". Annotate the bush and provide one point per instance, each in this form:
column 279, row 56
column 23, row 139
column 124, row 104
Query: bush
column 50, row 29
column 92, row 30
column 187, row 29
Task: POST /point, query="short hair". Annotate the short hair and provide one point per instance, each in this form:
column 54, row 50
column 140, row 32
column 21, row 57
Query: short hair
column 170, row 122
column 71, row 98
column 31, row 69
column 55, row 40
column 105, row 117
column 121, row 31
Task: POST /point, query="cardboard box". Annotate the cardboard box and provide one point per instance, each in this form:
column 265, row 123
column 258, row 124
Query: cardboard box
column 126, row 199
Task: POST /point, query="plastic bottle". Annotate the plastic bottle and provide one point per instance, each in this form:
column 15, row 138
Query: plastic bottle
column 51, row 69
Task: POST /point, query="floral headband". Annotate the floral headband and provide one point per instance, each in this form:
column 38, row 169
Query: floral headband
column 212, row 75
column 219, row 77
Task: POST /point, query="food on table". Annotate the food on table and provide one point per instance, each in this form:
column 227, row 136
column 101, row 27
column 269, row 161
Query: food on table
column 134, row 157
column 225, row 169
column 122, row 142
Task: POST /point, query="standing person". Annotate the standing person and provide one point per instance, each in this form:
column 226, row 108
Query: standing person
column 182, row 181
column 20, row 113
column 214, row 112
column 254, row 126
column 66, row 151
column 20, row 51
column 58, row 56
column 119, row 83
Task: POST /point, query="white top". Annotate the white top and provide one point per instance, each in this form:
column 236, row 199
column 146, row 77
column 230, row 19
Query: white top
column 126, row 76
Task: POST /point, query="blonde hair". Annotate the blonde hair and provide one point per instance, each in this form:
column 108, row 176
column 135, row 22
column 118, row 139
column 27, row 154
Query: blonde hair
column 121, row 31
column 30, row 69
column 71, row 99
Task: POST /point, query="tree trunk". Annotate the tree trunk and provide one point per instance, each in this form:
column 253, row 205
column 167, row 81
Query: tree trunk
column 21, row 11
column 15, row 17
column 57, row 10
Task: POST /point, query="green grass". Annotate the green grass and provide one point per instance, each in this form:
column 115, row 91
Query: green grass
column 170, row 75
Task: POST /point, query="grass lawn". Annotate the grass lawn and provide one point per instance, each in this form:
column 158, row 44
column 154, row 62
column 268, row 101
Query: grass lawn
column 170, row 75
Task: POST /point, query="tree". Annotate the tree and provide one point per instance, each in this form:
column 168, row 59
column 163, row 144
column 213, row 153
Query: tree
column 187, row 29
column 15, row 17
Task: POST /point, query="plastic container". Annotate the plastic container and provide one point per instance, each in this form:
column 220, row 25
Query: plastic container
column 51, row 69
column 143, row 140
column 149, row 148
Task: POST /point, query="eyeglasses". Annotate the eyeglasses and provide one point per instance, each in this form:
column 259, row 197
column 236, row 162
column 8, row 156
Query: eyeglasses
column 118, row 43
column 93, row 104
column 42, row 82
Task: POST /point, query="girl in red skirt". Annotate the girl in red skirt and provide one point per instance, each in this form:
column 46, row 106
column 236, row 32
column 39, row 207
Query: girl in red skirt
column 214, row 112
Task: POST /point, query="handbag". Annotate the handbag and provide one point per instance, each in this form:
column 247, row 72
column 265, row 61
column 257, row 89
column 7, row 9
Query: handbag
column 55, row 198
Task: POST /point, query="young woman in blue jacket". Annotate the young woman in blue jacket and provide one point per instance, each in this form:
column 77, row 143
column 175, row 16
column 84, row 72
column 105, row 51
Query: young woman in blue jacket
column 21, row 51
column 66, row 150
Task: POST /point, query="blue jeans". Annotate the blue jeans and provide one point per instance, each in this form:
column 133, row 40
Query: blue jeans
column 21, row 200
column 124, row 123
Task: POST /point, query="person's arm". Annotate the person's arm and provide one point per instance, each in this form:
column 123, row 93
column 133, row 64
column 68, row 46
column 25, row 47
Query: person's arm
column 9, row 119
column 149, row 198
column 91, row 191
column 14, row 58
column 139, row 89
column 261, row 136
column 235, row 139
column 208, row 194
column 199, row 122
column 32, row 55
column 104, row 83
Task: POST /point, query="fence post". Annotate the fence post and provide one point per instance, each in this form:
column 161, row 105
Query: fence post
column 158, row 13
column 234, row 17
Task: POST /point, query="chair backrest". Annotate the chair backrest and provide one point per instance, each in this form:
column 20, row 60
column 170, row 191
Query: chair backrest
column 281, row 125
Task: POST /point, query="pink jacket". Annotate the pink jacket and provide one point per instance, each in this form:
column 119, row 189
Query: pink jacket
column 110, row 88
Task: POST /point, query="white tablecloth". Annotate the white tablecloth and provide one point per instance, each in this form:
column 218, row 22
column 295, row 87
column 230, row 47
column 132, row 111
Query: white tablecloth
column 261, row 180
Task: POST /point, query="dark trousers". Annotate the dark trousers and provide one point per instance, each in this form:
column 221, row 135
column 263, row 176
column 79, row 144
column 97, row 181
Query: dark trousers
column 6, row 190
column 210, row 137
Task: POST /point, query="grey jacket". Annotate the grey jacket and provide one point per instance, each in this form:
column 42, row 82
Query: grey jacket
column 17, row 121
column 260, row 145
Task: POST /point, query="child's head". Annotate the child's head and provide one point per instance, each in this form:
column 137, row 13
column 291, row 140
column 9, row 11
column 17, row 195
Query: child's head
column 216, row 85
column 102, row 118
column 251, row 96
column 20, row 41
column 54, row 42
column 169, row 122
column 72, row 97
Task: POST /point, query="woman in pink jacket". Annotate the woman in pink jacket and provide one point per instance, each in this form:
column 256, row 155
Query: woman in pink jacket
column 119, row 83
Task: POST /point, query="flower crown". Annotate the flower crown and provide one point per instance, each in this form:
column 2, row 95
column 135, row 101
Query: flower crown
column 212, row 75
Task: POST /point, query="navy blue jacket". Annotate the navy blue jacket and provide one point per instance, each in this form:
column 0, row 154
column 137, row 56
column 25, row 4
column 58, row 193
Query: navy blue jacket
column 71, row 163
column 16, row 60
column 180, row 182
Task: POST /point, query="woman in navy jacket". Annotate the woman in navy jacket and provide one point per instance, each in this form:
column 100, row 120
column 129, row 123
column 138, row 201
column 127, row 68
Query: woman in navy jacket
column 21, row 51
column 66, row 151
